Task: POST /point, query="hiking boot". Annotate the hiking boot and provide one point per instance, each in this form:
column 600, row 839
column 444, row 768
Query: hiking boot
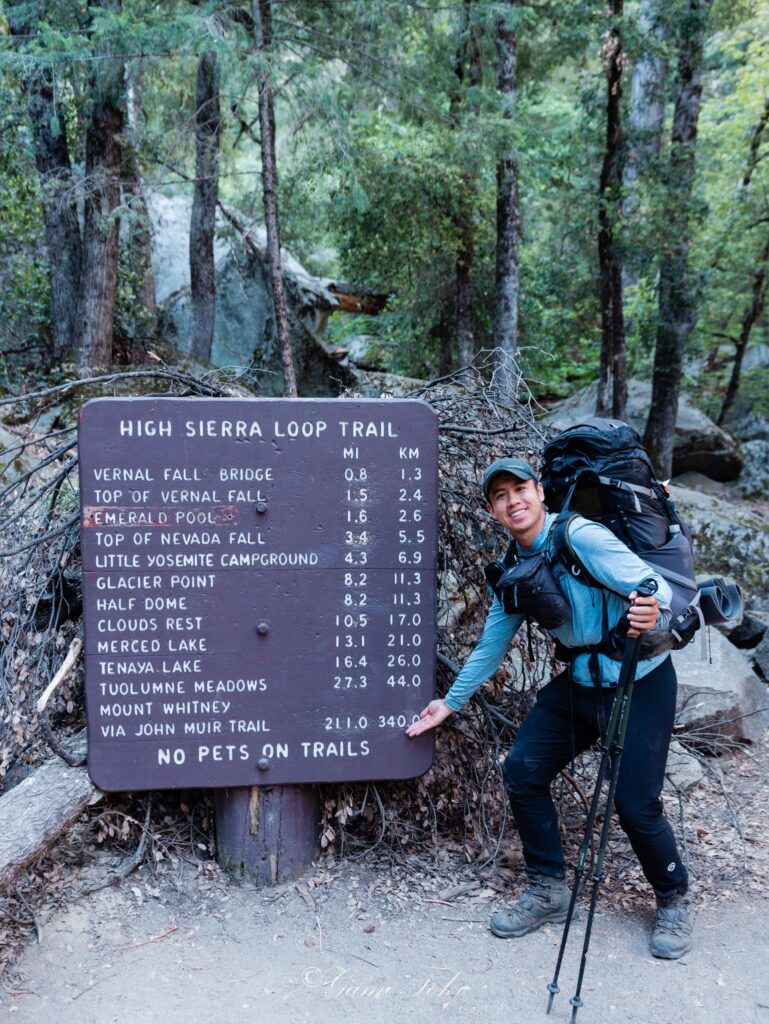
column 672, row 932
column 546, row 899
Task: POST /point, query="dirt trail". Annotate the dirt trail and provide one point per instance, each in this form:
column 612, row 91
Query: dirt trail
column 343, row 952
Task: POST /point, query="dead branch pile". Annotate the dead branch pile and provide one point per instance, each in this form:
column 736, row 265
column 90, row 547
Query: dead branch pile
column 460, row 799
column 40, row 605
column 40, row 589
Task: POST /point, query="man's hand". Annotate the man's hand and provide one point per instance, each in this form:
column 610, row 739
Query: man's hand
column 437, row 711
column 642, row 614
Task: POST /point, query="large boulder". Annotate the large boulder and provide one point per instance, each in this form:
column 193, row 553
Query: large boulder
column 748, row 418
column 699, row 482
column 170, row 219
column 753, row 481
column 748, row 634
column 756, row 358
column 700, row 445
column 683, row 770
column 21, row 454
column 750, row 425
column 729, row 540
column 373, row 384
column 14, row 459
column 244, row 332
column 761, row 658
column 720, row 697
column 365, row 351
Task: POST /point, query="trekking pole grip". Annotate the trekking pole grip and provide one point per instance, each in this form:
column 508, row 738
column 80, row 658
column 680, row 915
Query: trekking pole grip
column 648, row 587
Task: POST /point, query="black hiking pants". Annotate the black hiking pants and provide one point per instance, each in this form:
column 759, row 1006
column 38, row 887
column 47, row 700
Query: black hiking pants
column 567, row 719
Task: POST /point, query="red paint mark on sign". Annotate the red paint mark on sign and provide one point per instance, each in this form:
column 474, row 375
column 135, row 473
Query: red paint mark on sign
column 100, row 516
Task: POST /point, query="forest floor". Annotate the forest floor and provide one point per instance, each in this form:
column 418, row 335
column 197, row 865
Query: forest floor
column 344, row 952
column 376, row 941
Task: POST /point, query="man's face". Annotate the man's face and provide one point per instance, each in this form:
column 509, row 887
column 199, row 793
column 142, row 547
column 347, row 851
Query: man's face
column 518, row 505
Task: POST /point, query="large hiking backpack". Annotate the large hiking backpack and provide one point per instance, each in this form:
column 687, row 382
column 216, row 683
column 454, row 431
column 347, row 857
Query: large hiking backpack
column 599, row 469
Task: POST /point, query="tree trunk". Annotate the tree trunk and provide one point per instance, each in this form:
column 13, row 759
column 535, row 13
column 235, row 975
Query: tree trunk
column 713, row 357
column 646, row 114
column 469, row 48
column 619, row 356
column 643, row 143
column 262, row 17
column 139, row 226
column 465, row 293
column 754, row 311
column 57, row 191
column 102, row 201
column 442, row 332
column 203, row 221
column 755, row 142
column 506, row 295
column 759, row 280
column 677, row 314
column 613, row 355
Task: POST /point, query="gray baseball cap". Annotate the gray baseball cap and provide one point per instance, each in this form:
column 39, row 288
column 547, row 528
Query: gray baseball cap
column 515, row 467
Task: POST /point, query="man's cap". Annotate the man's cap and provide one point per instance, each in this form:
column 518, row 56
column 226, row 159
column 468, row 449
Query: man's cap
column 515, row 467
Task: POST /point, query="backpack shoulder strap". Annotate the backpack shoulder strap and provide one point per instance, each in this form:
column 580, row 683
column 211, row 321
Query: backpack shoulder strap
column 565, row 552
column 511, row 555
column 564, row 549
column 495, row 570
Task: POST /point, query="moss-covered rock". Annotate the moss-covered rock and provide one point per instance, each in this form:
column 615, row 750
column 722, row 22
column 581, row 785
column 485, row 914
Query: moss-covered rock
column 729, row 540
column 721, row 696
column 700, row 445
column 15, row 459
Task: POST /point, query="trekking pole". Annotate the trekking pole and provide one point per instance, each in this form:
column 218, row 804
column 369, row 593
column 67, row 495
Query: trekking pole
column 579, row 869
column 611, row 747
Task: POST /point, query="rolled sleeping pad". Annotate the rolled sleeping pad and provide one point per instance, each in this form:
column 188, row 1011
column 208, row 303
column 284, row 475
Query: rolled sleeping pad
column 719, row 600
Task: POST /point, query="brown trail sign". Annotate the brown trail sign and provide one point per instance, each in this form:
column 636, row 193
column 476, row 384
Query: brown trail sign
column 259, row 586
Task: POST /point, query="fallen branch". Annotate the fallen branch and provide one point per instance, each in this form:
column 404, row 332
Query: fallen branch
column 72, row 655
column 37, row 811
column 153, row 938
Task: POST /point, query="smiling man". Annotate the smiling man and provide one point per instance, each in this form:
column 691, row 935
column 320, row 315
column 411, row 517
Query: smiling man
column 571, row 711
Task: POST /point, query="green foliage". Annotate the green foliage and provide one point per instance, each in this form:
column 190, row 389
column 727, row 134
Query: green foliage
column 733, row 232
column 387, row 156
column 24, row 285
column 398, row 232
column 133, row 322
column 641, row 315
column 754, row 394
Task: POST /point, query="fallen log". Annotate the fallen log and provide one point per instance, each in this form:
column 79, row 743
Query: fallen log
column 37, row 811
column 355, row 300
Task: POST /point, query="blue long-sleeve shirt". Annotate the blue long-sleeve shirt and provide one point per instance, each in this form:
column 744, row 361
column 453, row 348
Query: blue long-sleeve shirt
column 610, row 562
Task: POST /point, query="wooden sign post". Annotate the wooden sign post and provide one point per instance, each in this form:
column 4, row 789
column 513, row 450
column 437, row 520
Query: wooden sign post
column 259, row 590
